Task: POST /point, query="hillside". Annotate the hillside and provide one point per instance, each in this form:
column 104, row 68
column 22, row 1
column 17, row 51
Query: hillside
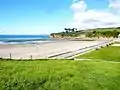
column 98, row 32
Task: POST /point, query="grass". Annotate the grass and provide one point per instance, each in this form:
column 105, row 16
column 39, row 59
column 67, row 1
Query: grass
column 111, row 53
column 63, row 74
column 59, row 75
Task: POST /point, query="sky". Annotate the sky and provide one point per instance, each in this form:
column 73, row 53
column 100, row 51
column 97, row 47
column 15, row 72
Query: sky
column 48, row 16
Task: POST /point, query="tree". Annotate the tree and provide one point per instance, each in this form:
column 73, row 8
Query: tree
column 72, row 29
column 118, row 27
column 66, row 30
column 69, row 29
column 115, row 34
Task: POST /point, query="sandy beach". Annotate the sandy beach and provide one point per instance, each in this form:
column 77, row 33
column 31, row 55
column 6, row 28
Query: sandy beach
column 45, row 50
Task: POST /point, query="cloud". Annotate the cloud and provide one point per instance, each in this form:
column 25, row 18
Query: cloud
column 84, row 18
column 115, row 5
column 78, row 6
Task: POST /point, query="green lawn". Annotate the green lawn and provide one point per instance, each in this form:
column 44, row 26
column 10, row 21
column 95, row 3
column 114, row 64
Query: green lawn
column 59, row 75
column 111, row 53
column 64, row 74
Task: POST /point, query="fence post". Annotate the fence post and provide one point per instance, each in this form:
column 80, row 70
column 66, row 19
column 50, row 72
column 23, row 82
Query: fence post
column 31, row 57
column 10, row 56
column 21, row 58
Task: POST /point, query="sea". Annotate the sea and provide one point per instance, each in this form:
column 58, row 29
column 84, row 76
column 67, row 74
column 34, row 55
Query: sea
column 24, row 39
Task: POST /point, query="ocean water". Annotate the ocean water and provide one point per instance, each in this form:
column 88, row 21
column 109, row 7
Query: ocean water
column 23, row 39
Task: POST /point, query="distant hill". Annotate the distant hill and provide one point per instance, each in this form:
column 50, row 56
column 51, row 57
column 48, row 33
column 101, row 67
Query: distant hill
column 97, row 33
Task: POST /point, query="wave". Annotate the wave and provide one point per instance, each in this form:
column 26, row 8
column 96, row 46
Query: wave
column 23, row 39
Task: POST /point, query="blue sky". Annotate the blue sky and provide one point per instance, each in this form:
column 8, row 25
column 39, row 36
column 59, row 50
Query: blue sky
column 42, row 16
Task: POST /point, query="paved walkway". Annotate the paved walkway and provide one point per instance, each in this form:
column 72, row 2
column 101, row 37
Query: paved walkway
column 72, row 54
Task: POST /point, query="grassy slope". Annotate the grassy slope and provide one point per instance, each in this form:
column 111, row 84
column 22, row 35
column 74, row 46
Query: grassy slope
column 111, row 53
column 63, row 74
column 59, row 75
